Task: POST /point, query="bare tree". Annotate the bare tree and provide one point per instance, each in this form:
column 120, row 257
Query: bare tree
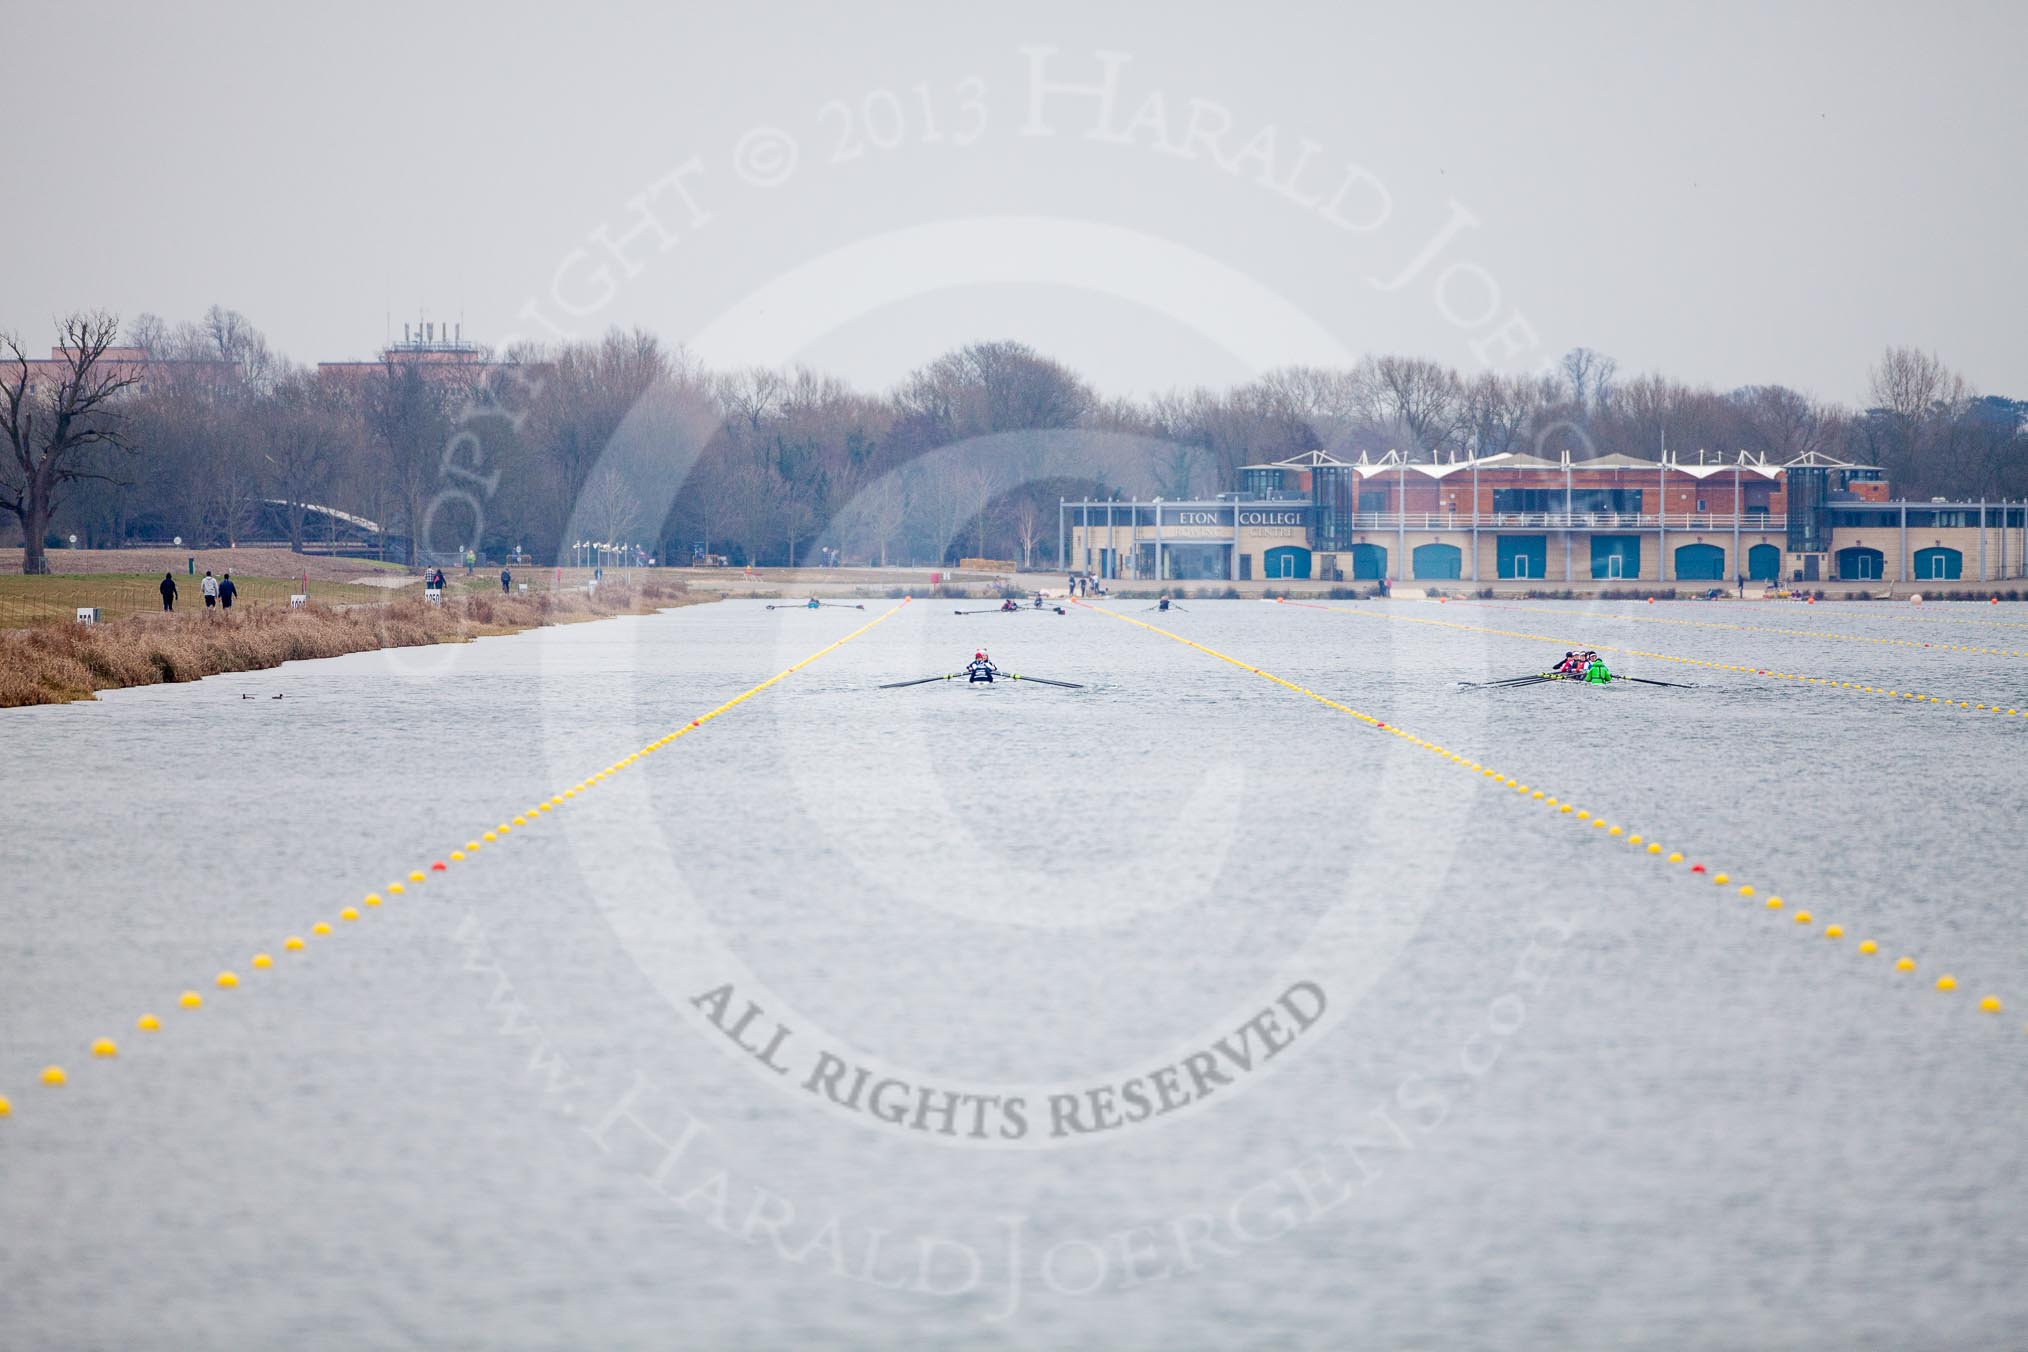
column 1028, row 527
column 51, row 432
column 608, row 507
column 1918, row 404
column 406, row 415
column 1591, row 378
column 876, row 513
column 1783, row 423
column 303, row 430
column 1423, row 399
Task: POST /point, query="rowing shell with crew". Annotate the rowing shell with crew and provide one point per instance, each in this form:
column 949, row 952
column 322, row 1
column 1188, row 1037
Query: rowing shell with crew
column 1580, row 667
column 981, row 671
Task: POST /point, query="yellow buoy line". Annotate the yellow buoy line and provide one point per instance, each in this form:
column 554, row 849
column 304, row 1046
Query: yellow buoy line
column 106, row 1049
column 1828, row 682
column 1802, row 633
column 1564, row 810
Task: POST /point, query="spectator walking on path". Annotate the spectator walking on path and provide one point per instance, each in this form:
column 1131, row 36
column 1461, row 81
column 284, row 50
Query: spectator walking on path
column 168, row 590
column 210, row 590
column 226, row 591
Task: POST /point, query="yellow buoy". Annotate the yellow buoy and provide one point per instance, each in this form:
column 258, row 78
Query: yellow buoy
column 1833, row 932
column 521, row 821
column 1946, row 982
column 1774, row 903
column 1802, row 917
column 227, row 980
column 6, row 1108
column 1676, row 858
column 321, row 927
column 1868, row 946
column 1583, row 815
column 348, row 914
column 148, row 1023
column 416, row 876
column 1904, row 964
column 263, row 960
column 1614, row 830
column 373, row 898
column 1746, row 889
column 1990, row 1005
column 293, row 943
column 53, row 1076
column 492, row 835
column 1654, row 848
column 457, row 856
column 1720, row 879
column 190, row 1000
column 471, row 844
column 396, row 888
column 105, row 1046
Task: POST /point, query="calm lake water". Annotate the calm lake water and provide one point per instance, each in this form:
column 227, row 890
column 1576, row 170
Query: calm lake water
column 1174, row 1011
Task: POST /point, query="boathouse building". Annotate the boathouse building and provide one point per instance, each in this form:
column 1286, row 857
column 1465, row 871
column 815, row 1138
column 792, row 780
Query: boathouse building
column 1521, row 518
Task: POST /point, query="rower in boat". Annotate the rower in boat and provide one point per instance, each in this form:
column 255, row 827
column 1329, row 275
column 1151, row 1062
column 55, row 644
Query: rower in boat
column 814, row 603
column 980, row 670
column 1009, row 604
column 1162, row 604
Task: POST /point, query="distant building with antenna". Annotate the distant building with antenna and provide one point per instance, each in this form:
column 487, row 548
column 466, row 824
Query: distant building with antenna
column 438, row 350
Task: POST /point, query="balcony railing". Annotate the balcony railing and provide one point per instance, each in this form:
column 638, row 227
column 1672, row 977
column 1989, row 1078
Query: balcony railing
column 1683, row 521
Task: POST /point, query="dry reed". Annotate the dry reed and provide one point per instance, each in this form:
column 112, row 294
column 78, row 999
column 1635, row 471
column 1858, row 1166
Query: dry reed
column 56, row 663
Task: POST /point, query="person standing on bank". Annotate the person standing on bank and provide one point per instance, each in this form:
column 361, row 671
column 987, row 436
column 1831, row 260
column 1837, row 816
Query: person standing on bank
column 506, row 581
column 226, row 591
column 168, row 590
column 210, row 590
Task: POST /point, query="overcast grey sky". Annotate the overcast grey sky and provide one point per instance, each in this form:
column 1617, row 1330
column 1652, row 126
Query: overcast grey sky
column 1727, row 194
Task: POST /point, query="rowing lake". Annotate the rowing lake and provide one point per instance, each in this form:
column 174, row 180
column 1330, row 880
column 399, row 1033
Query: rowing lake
column 1358, row 1046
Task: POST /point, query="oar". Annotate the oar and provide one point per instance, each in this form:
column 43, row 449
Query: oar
column 840, row 605
column 896, row 685
column 993, row 611
column 1511, row 680
column 1673, row 685
column 1041, row 680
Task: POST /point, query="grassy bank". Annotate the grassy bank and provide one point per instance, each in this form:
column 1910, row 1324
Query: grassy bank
column 54, row 663
column 56, row 598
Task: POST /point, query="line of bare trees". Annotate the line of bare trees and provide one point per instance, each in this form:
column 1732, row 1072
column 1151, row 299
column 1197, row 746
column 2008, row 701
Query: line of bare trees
column 215, row 438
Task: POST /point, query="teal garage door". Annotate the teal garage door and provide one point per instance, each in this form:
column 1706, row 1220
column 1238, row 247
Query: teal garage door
column 1523, row 555
column 1438, row 561
column 1764, row 563
column 1615, row 556
column 1939, row 564
column 1286, row 561
column 1700, row 563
